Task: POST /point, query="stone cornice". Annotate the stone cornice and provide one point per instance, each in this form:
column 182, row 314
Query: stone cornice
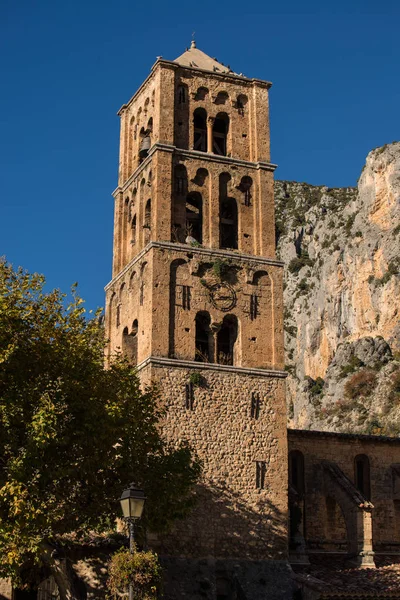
column 207, row 252
column 170, row 64
column 363, row 437
column 158, row 361
column 242, row 79
column 215, row 158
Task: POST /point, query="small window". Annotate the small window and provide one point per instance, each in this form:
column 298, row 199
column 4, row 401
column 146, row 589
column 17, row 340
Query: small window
column 261, row 469
column 255, row 405
column 189, row 396
column 200, row 130
column 181, row 94
column 254, row 301
column 362, row 475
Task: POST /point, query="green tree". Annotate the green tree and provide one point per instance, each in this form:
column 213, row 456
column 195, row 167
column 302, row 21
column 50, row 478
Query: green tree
column 73, row 433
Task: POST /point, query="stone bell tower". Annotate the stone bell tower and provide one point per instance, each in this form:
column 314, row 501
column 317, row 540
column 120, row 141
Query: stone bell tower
column 196, row 303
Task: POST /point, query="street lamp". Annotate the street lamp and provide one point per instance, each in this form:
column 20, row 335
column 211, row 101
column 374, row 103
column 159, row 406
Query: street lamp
column 132, row 503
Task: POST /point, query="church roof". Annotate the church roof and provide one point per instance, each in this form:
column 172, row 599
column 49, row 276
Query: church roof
column 193, row 57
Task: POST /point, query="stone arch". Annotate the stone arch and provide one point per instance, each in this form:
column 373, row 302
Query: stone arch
column 200, row 130
column 226, row 340
column 182, row 93
column 178, row 277
column 362, row 476
column 296, row 471
column 200, row 177
column 194, row 216
column 222, row 98
column 220, row 134
column 356, row 511
column 142, row 284
column 203, row 337
column 147, row 222
column 241, row 103
column 132, row 279
column 146, row 105
column 130, row 342
column 133, row 229
column 201, row 93
column 228, row 223
column 224, row 179
column 245, row 187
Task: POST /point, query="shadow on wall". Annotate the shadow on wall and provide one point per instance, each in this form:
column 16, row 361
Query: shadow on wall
column 227, row 550
column 224, row 550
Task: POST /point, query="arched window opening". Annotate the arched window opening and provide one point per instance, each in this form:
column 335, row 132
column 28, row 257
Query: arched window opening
column 200, row 177
column 226, row 339
column 362, row 475
column 201, row 93
column 181, row 94
column 224, row 180
column 132, row 279
column 145, row 144
column 130, row 342
column 200, row 130
column 241, row 103
column 203, row 337
column 181, row 180
column 133, row 230
column 220, row 134
column 194, row 216
column 147, row 215
column 222, row 98
column 296, row 471
column 150, row 126
column 245, row 188
column 228, row 223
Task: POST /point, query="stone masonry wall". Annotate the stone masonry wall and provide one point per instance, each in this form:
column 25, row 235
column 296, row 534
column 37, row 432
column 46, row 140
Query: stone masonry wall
column 232, row 518
column 150, row 291
column 383, row 454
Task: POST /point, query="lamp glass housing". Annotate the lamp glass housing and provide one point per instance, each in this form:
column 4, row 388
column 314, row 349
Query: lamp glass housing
column 132, row 503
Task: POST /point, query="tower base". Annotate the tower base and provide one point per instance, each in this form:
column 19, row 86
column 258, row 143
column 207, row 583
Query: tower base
column 226, row 579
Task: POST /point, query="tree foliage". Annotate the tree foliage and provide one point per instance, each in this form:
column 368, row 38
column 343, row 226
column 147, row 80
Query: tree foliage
column 73, row 434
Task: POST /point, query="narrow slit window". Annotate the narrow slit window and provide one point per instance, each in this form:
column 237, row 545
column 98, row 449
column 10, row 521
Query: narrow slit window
column 254, row 306
column 118, row 316
column 261, row 469
column 186, row 297
column 189, row 396
column 255, row 405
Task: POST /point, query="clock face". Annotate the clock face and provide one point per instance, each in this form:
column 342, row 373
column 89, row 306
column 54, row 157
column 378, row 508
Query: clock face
column 222, row 296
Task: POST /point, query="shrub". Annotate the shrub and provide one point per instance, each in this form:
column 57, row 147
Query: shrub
column 298, row 263
column 395, row 388
column 196, row 378
column 354, row 364
column 140, row 569
column 349, row 223
column 359, row 234
column 303, row 285
column 361, row 384
column 220, row 268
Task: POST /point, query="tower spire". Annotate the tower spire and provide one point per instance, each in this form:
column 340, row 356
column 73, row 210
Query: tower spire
column 193, row 42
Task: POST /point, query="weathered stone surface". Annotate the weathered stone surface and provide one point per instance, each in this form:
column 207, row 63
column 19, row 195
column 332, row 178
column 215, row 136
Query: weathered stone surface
column 341, row 249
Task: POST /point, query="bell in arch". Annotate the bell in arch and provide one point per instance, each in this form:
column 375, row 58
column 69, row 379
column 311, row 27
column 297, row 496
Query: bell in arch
column 145, row 147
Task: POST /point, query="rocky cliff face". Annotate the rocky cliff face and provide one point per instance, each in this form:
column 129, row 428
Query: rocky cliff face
column 341, row 249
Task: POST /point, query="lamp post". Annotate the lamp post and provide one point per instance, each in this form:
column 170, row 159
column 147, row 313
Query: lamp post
column 132, row 503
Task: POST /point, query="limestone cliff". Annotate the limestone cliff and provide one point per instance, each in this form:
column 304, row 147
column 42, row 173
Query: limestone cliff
column 341, row 249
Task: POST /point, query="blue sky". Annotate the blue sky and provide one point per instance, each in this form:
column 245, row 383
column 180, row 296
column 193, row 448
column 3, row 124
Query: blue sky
column 67, row 67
